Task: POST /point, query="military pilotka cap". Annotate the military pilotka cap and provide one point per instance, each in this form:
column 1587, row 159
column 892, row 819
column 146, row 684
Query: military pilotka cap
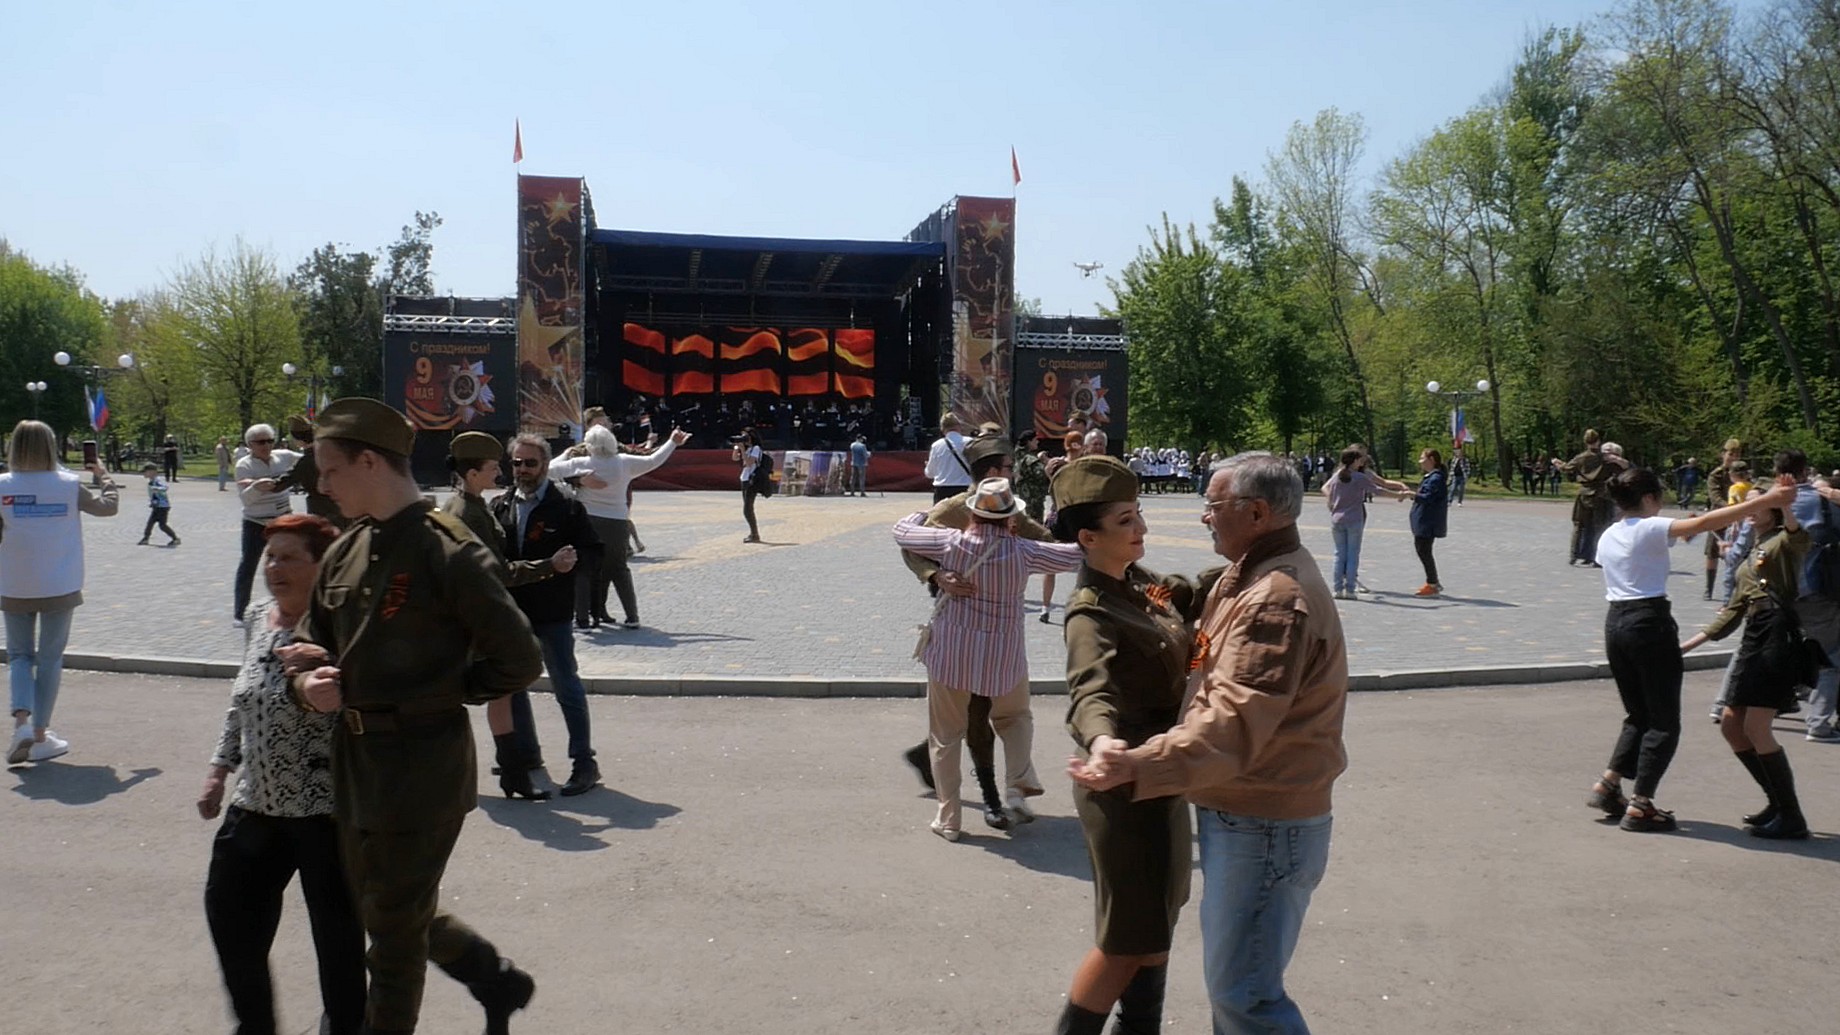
column 1094, row 479
column 475, row 445
column 369, row 422
column 299, row 427
column 985, row 446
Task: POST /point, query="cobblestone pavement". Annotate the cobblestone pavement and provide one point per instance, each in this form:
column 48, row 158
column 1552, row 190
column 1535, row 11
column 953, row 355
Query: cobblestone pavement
column 827, row 600
column 763, row 866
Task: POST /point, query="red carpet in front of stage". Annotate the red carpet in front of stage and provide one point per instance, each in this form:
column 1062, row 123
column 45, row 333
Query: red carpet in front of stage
column 716, row 469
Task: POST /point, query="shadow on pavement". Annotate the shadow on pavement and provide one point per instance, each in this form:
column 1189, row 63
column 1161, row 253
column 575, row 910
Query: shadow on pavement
column 575, row 824
column 1396, row 599
column 1051, row 844
column 75, row 784
column 646, row 636
column 1819, row 845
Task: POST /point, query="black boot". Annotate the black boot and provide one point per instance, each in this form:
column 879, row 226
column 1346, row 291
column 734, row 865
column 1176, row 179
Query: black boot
column 584, row 777
column 994, row 816
column 920, row 757
column 1140, row 1007
column 1076, row 1020
column 495, row 982
column 1748, row 758
column 514, row 769
column 1788, row 824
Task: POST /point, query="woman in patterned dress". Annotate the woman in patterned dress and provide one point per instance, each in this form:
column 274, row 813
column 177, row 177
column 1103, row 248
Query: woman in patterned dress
column 279, row 821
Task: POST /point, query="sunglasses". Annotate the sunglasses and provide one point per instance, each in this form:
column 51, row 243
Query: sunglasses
column 261, row 441
column 527, row 462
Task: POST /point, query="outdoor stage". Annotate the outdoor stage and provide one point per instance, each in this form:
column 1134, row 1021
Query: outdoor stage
column 715, row 469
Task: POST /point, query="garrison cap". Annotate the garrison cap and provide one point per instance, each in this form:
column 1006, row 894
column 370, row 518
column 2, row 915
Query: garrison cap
column 475, row 445
column 986, row 446
column 299, row 427
column 367, row 421
column 1094, row 479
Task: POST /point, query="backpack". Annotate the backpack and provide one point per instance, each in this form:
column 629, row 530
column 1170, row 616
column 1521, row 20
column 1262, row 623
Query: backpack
column 764, row 482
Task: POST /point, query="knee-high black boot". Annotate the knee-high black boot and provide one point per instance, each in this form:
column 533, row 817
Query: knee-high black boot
column 494, row 981
column 1788, row 824
column 514, row 769
column 1140, row 1007
column 994, row 816
column 1748, row 759
column 1076, row 1020
column 920, row 756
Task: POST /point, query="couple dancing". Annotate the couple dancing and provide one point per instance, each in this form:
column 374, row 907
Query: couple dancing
column 1227, row 693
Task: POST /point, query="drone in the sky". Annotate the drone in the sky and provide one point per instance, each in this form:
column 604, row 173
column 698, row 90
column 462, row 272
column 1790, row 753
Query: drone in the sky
column 1087, row 269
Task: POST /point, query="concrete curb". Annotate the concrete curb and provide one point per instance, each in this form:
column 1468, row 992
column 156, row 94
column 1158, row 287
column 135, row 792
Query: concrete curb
column 817, row 686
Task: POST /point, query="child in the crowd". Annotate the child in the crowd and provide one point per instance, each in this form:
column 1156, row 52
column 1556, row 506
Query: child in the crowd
column 158, row 505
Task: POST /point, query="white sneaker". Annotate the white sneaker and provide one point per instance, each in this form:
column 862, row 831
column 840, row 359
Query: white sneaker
column 949, row 833
column 1018, row 807
column 49, row 748
column 21, row 746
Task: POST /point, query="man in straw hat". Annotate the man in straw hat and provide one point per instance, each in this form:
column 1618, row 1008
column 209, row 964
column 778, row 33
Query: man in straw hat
column 990, row 457
column 975, row 645
column 408, row 622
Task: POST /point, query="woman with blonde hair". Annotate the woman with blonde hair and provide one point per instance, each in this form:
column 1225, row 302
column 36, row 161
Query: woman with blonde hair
column 41, row 577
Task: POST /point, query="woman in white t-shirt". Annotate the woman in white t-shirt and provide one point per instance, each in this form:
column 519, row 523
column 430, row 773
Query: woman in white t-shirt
column 748, row 454
column 1642, row 640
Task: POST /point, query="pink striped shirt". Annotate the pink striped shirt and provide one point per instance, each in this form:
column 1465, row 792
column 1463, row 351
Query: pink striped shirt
column 977, row 642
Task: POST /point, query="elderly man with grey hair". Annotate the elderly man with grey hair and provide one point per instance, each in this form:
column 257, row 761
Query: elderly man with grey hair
column 1259, row 746
column 258, row 478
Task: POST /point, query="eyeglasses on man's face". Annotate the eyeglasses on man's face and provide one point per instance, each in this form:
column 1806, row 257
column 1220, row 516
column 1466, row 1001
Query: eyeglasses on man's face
column 527, row 461
column 1209, row 506
column 261, row 441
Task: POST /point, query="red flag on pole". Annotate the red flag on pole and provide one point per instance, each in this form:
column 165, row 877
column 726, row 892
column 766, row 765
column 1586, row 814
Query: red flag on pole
column 1015, row 167
column 517, row 141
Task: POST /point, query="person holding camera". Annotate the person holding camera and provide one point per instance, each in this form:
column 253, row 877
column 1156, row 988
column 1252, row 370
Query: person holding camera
column 749, row 455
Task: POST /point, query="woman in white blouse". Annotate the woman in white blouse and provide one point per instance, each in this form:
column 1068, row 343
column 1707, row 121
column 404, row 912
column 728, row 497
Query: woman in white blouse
column 605, row 475
column 280, row 818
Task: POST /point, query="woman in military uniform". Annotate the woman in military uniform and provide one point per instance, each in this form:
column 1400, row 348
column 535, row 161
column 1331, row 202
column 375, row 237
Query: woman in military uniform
column 1127, row 633
column 473, row 458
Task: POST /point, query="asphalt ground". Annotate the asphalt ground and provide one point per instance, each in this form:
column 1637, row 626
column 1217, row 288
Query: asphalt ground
column 763, row 865
column 825, row 607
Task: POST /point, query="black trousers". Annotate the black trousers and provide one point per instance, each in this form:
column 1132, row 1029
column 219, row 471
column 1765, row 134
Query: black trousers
column 1643, row 644
column 946, row 492
column 1422, row 543
column 747, row 509
column 171, row 465
column 157, row 516
column 613, row 569
column 253, row 858
column 246, row 568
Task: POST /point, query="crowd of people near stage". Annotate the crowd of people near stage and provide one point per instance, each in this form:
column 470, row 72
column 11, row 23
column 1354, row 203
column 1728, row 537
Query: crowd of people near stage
column 829, row 424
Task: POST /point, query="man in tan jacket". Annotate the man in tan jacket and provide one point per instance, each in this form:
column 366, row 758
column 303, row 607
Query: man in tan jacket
column 1259, row 745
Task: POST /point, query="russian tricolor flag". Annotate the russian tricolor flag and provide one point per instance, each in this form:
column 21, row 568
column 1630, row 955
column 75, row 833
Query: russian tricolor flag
column 98, row 408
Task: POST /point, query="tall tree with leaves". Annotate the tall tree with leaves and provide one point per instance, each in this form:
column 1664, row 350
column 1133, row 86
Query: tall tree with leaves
column 241, row 318
column 44, row 311
column 410, row 270
column 341, row 319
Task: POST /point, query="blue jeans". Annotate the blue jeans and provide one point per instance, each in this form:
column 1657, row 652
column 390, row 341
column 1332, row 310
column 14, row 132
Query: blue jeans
column 1347, row 553
column 36, row 668
column 558, row 640
column 1257, row 876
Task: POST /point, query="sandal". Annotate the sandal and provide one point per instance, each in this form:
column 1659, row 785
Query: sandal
column 1645, row 818
column 1607, row 799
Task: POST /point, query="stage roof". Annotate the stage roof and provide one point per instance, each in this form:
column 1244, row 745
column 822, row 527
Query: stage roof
column 640, row 260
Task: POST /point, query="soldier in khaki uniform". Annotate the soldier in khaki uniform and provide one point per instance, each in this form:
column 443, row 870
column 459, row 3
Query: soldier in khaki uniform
column 304, row 475
column 990, row 457
column 409, row 621
column 1128, row 645
column 473, row 457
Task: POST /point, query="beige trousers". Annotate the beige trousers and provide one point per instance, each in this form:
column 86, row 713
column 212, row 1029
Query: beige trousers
column 947, row 718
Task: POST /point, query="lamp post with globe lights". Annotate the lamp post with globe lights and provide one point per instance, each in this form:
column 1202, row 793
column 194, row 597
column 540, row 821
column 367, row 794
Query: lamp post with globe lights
column 92, row 373
column 292, row 371
column 1456, row 396
column 36, row 388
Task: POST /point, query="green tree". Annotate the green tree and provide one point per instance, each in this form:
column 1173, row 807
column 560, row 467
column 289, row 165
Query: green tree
column 341, row 319
column 240, row 317
column 44, row 311
column 410, row 270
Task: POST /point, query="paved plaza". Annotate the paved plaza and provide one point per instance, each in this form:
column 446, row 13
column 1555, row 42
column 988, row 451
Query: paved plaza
column 826, row 607
column 762, row 865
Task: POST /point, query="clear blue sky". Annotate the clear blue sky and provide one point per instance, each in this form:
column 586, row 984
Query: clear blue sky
column 134, row 135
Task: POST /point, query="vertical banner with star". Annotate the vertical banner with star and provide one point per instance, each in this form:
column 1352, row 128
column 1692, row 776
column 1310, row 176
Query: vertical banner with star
column 550, row 306
column 982, row 267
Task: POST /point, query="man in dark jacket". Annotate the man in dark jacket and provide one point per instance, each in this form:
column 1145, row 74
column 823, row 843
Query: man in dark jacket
column 538, row 520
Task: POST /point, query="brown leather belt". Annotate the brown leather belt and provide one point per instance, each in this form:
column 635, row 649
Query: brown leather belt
column 358, row 721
